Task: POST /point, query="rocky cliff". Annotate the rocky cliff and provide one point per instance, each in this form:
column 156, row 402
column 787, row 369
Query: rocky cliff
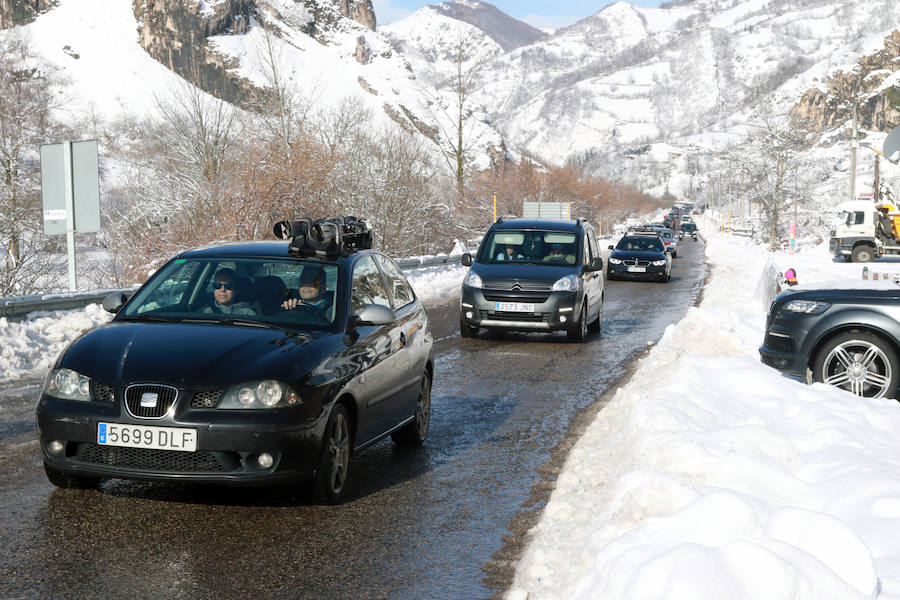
column 175, row 33
column 19, row 12
column 823, row 109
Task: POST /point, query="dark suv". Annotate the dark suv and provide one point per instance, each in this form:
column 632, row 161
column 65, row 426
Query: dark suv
column 845, row 337
column 534, row 275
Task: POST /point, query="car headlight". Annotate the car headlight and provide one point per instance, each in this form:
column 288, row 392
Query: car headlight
column 569, row 283
column 473, row 280
column 614, row 261
column 259, row 394
column 66, row 383
column 659, row 263
column 809, row 307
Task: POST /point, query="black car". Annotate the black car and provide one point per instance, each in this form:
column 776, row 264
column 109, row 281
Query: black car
column 849, row 338
column 534, row 275
column 182, row 387
column 689, row 229
column 640, row 256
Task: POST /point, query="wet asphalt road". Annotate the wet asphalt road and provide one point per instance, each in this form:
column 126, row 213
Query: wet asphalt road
column 442, row 521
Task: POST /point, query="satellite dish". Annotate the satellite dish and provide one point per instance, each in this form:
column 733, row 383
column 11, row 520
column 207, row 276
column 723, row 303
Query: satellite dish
column 891, row 147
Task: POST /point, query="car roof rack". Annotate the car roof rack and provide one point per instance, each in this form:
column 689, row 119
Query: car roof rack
column 325, row 238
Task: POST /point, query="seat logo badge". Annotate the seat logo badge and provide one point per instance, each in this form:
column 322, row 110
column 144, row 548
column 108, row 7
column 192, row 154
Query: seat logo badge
column 149, row 399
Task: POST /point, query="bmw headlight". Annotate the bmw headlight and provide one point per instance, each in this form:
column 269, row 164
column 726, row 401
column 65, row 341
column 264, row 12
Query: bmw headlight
column 66, row 383
column 614, row 261
column 473, row 280
column 659, row 263
column 259, row 394
column 808, row 307
column 569, row 283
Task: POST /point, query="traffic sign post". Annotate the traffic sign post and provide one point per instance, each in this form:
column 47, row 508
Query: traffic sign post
column 70, row 192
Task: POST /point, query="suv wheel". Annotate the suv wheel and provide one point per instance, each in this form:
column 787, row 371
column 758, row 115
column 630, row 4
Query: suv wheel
column 863, row 253
column 467, row 331
column 579, row 330
column 859, row 362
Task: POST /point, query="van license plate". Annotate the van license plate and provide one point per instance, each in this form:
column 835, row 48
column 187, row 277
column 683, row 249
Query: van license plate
column 142, row 436
column 514, row 307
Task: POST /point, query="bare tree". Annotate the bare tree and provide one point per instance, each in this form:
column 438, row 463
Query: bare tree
column 24, row 124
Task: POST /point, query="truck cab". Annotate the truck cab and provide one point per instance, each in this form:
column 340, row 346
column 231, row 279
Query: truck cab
column 866, row 231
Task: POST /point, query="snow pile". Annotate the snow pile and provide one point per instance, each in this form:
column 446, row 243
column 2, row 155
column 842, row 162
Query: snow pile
column 710, row 475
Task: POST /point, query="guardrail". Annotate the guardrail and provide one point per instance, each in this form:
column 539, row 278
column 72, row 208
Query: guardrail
column 17, row 307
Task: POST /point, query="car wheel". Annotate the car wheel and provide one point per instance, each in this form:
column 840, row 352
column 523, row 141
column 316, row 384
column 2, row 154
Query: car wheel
column 859, row 362
column 467, row 331
column 862, row 253
column 333, row 469
column 579, row 332
column 414, row 433
column 674, row 255
column 69, row 481
column 597, row 323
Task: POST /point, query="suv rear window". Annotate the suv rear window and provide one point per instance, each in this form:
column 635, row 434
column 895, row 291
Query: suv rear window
column 529, row 246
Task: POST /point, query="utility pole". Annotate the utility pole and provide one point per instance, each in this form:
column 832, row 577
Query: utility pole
column 854, row 144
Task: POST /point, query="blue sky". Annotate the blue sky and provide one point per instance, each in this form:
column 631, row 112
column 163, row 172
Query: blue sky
column 536, row 12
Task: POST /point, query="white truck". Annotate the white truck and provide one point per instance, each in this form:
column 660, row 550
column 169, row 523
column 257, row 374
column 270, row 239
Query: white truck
column 866, row 231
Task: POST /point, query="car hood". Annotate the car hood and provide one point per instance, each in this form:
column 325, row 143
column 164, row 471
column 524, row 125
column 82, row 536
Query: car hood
column 843, row 291
column 197, row 355
column 503, row 275
column 638, row 254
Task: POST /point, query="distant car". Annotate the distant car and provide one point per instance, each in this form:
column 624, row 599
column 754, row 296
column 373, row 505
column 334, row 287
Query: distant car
column 688, row 229
column 670, row 240
column 173, row 389
column 848, row 336
column 639, row 256
column 534, row 275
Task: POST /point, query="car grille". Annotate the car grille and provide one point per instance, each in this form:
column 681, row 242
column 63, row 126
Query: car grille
column 100, row 392
column 518, row 317
column 633, row 262
column 206, row 398
column 502, row 296
column 153, row 408
column 153, row 460
column 517, row 285
column 779, row 342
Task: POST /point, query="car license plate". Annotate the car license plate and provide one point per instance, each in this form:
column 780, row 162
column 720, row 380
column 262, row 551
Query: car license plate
column 142, row 436
column 637, row 269
column 514, row 307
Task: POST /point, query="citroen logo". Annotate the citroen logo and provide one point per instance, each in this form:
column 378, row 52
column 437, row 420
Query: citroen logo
column 516, row 287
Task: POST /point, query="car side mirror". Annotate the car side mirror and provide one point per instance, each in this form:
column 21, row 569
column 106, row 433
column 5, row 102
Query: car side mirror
column 596, row 264
column 374, row 314
column 114, row 302
column 611, row 248
column 466, row 260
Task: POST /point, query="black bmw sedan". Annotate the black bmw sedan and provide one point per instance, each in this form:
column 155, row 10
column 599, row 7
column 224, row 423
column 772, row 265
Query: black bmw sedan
column 243, row 364
column 639, row 256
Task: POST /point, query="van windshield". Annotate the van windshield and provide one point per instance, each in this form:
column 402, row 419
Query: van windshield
column 531, row 247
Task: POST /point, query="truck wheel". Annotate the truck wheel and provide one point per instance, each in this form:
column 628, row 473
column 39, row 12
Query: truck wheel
column 863, row 253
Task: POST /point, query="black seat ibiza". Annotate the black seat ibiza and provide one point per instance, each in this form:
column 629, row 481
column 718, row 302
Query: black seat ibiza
column 211, row 374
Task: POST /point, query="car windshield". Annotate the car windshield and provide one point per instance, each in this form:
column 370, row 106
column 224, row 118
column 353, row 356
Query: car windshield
column 640, row 243
column 529, row 246
column 295, row 294
column 688, row 227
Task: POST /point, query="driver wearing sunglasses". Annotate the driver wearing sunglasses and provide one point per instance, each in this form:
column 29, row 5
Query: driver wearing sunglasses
column 226, row 295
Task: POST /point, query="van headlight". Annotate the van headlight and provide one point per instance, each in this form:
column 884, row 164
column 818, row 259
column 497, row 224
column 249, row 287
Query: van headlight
column 569, row 283
column 67, row 384
column 259, row 394
column 473, row 280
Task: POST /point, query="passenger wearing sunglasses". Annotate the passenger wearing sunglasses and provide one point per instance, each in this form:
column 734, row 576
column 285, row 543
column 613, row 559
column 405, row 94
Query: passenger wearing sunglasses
column 226, row 293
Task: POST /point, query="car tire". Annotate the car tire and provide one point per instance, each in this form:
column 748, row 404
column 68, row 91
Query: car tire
column 467, row 331
column 69, row 481
column 597, row 324
column 863, row 253
column 415, row 432
column 578, row 332
column 874, row 360
column 333, row 468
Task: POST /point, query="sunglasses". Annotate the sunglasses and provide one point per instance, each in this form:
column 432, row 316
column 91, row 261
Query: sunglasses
column 219, row 286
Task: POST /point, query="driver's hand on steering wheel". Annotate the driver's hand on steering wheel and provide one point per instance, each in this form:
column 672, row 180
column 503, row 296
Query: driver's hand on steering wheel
column 291, row 303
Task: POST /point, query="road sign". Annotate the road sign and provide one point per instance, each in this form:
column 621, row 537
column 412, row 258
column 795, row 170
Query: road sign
column 891, row 148
column 82, row 181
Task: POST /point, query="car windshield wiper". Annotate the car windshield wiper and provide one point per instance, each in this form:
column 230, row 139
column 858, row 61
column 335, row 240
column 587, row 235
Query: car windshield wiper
column 153, row 318
column 247, row 323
